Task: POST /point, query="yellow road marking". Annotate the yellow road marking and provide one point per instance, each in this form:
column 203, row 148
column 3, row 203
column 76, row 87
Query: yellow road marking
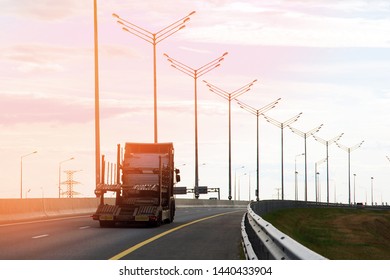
column 139, row 245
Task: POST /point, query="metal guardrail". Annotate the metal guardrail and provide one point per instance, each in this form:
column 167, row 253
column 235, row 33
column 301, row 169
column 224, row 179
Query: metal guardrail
column 246, row 244
column 261, row 240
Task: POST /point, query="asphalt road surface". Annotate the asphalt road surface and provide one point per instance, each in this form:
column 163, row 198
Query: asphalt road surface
column 196, row 234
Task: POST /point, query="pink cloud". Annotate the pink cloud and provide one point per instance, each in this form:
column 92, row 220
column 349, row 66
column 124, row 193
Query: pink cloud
column 32, row 108
column 44, row 9
column 29, row 108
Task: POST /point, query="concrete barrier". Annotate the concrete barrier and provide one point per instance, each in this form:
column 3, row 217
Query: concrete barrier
column 185, row 203
column 37, row 208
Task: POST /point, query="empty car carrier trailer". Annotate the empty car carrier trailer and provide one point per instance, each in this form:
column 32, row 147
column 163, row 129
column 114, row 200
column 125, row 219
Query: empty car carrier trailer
column 144, row 189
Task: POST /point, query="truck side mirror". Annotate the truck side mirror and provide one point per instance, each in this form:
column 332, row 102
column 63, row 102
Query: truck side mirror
column 177, row 172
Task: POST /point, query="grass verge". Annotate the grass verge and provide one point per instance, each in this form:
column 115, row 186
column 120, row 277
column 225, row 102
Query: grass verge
column 341, row 234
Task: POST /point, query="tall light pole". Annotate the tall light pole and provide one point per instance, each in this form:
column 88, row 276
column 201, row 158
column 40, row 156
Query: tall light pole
column 249, row 184
column 349, row 150
column 21, row 172
column 372, row 191
column 195, row 74
column 354, row 188
column 154, row 39
column 97, row 106
column 257, row 113
column 282, row 125
column 296, row 176
column 327, row 143
column 388, row 158
column 317, row 189
column 229, row 96
column 305, row 135
column 59, row 175
column 235, row 180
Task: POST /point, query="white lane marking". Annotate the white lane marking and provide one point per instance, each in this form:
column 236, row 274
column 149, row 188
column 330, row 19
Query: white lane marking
column 44, row 221
column 40, row 236
column 85, row 227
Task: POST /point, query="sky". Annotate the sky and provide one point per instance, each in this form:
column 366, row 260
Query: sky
column 329, row 60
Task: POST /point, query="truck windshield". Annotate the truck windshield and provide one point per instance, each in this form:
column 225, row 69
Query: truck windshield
column 141, row 180
column 145, row 161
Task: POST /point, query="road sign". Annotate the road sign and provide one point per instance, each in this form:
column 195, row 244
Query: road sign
column 180, row 190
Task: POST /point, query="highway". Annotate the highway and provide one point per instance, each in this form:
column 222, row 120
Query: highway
column 196, row 234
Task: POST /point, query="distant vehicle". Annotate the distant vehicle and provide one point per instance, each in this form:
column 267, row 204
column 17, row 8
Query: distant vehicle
column 145, row 191
column 359, row 205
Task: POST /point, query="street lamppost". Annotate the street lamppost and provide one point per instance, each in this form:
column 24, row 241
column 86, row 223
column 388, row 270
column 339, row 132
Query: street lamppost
column 257, row 113
column 372, row 191
column 97, row 106
column 282, row 125
column 327, row 143
column 249, row 184
column 305, row 135
column 365, row 191
column 229, row 96
column 59, row 175
column 354, row 188
column 388, row 158
column 317, row 189
column 154, row 39
column 235, row 181
column 296, row 176
column 195, row 74
column 21, row 172
column 349, row 150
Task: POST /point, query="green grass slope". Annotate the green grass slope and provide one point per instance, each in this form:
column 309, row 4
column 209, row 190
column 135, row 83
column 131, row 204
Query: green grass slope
column 340, row 234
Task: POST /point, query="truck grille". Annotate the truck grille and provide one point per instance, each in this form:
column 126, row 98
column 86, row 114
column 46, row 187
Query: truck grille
column 147, row 210
column 107, row 209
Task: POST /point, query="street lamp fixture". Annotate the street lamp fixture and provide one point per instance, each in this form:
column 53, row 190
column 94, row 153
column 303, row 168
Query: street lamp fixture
column 21, row 171
column 327, row 143
column 59, row 175
column 195, row 74
column 154, row 39
column 229, row 96
column 235, row 180
column 306, row 135
column 317, row 188
column 349, row 150
column 282, row 125
column 257, row 113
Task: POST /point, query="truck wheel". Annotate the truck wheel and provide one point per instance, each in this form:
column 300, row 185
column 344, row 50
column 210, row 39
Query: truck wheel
column 159, row 220
column 172, row 215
